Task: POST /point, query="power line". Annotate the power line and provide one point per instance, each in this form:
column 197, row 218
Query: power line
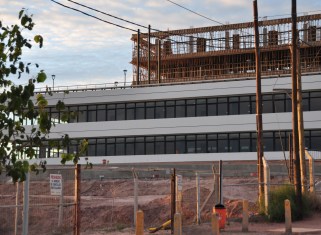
column 127, row 21
column 131, row 22
column 194, row 12
column 105, row 21
column 104, row 13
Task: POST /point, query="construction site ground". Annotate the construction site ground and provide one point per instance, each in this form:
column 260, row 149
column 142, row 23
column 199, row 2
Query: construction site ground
column 154, row 200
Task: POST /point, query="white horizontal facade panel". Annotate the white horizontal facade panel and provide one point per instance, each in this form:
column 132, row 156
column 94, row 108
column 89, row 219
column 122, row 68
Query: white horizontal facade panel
column 172, row 158
column 213, row 124
column 230, row 88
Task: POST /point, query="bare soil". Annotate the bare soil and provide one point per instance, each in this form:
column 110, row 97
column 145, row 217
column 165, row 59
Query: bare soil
column 107, row 206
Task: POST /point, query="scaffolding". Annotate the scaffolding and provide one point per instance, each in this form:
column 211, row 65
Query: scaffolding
column 224, row 51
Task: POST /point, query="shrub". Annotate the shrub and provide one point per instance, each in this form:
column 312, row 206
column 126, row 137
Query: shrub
column 276, row 203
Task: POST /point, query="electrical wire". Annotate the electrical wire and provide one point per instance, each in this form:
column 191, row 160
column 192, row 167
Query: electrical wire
column 194, row 12
column 104, row 13
column 105, row 21
column 143, row 26
column 87, row 14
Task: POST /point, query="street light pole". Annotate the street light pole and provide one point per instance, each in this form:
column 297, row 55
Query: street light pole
column 53, row 81
column 125, row 71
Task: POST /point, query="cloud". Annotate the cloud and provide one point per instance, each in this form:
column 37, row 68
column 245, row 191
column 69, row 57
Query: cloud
column 79, row 49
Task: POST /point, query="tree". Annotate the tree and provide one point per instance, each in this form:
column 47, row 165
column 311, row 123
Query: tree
column 19, row 103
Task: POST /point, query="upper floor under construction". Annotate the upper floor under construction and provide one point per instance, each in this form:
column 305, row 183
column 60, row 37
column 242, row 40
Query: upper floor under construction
column 225, row 51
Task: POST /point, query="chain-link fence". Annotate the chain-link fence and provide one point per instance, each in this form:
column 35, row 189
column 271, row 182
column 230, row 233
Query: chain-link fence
column 109, row 197
column 34, row 207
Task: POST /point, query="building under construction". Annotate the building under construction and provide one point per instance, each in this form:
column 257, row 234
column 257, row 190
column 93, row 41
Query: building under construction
column 224, row 51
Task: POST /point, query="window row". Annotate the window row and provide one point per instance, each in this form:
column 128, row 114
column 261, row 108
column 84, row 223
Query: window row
column 186, row 144
column 216, row 106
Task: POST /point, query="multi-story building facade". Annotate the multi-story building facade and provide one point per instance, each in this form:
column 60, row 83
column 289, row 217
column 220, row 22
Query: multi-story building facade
column 194, row 98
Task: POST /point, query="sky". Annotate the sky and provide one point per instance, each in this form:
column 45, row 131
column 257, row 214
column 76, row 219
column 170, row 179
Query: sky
column 80, row 50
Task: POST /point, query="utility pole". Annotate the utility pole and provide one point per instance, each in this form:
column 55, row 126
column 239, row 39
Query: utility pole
column 259, row 123
column 301, row 127
column 295, row 136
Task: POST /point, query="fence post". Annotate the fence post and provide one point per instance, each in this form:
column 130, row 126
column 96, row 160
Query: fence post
column 288, row 220
column 61, row 203
column 26, row 204
column 215, row 225
column 245, row 217
column 216, row 189
column 135, row 195
column 311, row 171
column 140, row 223
column 77, row 200
column 179, row 188
column 177, row 224
column 17, row 210
column 266, row 185
column 198, row 199
column 173, row 199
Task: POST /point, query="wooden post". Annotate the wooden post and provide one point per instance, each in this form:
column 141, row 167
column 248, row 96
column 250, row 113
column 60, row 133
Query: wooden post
column 140, row 223
column 301, row 128
column 148, row 61
column 259, row 122
column 17, row 210
column 179, row 195
column 77, row 200
column 288, row 220
column 295, row 135
column 178, row 224
column 138, row 57
column 215, row 225
column 245, row 216
column 173, row 199
column 135, row 195
column 217, row 189
column 61, row 205
column 25, row 224
column 221, row 183
column 159, row 51
column 198, row 199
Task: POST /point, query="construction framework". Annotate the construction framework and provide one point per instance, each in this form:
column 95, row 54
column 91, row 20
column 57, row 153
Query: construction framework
column 225, row 51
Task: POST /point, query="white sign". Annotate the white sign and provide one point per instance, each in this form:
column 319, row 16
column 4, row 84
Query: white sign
column 55, row 184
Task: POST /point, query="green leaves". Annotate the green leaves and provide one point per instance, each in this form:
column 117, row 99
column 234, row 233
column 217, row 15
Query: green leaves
column 39, row 39
column 41, row 101
column 19, row 107
column 60, row 105
column 41, row 77
column 21, row 13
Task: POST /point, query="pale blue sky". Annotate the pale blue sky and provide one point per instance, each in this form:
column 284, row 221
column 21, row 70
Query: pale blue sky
column 82, row 50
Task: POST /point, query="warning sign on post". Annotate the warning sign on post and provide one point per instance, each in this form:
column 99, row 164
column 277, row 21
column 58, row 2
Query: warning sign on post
column 55, row 184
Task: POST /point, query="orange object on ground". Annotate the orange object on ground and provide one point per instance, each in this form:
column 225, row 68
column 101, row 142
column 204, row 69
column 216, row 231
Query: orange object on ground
column 220, row 210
